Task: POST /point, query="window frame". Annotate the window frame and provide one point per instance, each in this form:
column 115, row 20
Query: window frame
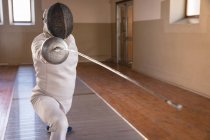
column 32, row 14
column 186, row 11
column 1, row 13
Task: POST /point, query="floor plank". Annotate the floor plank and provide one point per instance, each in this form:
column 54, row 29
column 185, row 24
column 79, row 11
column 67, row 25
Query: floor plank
column 150, row 115
column 7, row 78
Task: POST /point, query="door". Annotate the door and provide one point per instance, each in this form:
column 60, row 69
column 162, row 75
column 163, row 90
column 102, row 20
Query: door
column 124, row 25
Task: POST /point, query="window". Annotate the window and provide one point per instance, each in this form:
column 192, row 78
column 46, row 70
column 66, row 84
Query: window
column 1, row 12
column 184, row 11
column 21, row 12
column 193, row 8
column 176, row 20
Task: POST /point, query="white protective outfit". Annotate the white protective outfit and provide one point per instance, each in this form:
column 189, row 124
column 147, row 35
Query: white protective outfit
column 53, row 92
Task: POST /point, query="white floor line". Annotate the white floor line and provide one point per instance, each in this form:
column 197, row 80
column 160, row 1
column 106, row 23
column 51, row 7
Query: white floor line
column 114, row 110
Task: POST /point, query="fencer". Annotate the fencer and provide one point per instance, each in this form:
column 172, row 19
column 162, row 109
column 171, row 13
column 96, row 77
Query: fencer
column 52, row 95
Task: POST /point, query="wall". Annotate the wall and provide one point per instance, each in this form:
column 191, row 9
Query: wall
column 178, row 54
column 177, row 10
column 92, row 30
column 92, row 26
column 175, row 53
column 146, row 10
column 15, row 41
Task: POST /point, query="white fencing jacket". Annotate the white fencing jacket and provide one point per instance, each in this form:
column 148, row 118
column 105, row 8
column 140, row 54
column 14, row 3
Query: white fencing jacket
column 57, row 81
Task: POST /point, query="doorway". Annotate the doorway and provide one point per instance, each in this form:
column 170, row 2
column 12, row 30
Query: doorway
column 124, row 32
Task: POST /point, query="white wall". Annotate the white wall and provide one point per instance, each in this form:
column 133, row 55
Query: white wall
column 15, row 40
column 147, row 10
column 177, row 10
column 86, row 11
column 176, row 53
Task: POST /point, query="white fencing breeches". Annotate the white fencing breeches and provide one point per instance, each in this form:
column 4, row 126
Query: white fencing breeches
column 51, row 112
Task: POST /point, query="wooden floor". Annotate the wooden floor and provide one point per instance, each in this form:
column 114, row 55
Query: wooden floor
column 150, row 115
column 7, row 79
column 89, row 116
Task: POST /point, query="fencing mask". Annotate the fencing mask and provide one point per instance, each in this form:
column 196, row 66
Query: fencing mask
column 59, row 20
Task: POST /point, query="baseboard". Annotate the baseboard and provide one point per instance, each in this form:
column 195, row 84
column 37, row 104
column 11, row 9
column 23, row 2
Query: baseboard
column 175, row 84
column 4, row 64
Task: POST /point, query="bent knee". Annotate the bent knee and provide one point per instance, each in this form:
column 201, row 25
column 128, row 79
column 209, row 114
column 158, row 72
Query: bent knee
column 60, row 123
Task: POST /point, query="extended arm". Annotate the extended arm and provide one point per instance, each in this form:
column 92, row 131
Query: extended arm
column 37, row 46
